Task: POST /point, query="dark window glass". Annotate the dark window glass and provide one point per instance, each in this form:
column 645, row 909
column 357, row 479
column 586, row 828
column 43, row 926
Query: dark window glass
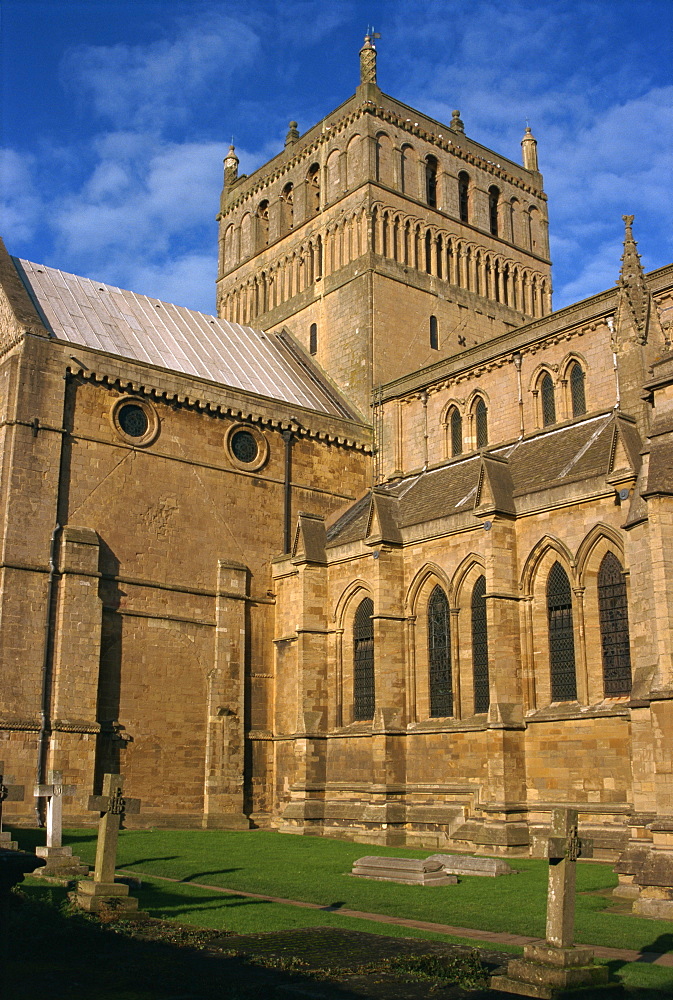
column 434, row 334
column 313, row 195
column 561, row 639
column 614, row 623
column 439, row 654
column 577, row 390
column 244, row 446
column 456, row 425
column 480, row 646
column 547, row 398
column 428, row 252
column 363, row 661
column 133, row 420
column 463, row 197
column 431, row 181
column 313, row 339
column 493, row 198
column 481, row 423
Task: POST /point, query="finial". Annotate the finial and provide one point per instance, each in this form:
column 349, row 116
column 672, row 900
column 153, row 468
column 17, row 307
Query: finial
column 368, row 58
column 292, row 134
column 628, row 222
column 230, row 166
column 457, row 123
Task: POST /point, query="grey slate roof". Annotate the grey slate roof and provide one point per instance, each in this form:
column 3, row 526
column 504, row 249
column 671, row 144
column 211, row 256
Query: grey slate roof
column 571, row 453
column 119, row 322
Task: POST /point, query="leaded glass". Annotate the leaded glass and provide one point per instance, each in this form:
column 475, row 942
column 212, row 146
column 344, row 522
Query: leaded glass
column 561, row 639
column 548, row 404
column 614, row 623
column 577, row 390
column 133, row 420
column 439, row 654
column 456, row 423
column 480, row 646
column 481, row 421
column 363, row 661
column 244, row 446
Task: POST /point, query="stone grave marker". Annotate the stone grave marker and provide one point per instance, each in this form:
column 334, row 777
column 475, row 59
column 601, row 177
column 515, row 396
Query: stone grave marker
column 9, row 792
column 463, row 864
column 102, row 892
column 408, row 871
column 557, row 965
column 60, row 862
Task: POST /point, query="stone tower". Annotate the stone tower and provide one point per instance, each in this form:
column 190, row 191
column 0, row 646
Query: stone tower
column 384, row 240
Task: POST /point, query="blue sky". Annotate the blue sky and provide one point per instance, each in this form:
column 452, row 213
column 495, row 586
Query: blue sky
column 116, row 116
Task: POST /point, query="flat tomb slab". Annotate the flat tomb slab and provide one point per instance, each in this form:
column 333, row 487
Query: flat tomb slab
column 461, row 864
column 408, row 871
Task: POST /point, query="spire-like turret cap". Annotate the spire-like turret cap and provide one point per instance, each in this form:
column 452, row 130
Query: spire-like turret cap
column 529, row 147
column 457, row 123
column 230, row 167
column 368, row 58
column 634, row 296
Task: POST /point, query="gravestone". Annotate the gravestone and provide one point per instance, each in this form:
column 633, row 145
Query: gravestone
column 408, row 871
column 463, row 864
column 59, row 860
column 557, row 965
column 103, row 892
column 9, row 792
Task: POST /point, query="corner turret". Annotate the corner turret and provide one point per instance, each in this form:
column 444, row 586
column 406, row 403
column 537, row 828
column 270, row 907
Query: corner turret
column 529, row 148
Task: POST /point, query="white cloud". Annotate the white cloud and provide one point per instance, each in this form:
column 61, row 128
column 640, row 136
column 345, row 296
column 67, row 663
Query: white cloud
column 20, row 203
column 152, row 86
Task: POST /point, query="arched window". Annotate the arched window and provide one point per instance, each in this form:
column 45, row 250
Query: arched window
column 363, row 661
column 405, row 162
column 456, row 430
column 263, row 223
column 481, row 423
column 614, row 623
column 547, row 400
column 313, row 194
column 313, row 339
column 464, row 196
column 577, row 396
column 561, row 639
column 493, row 199
column 434, row 334
column 428, row 252
column 287, row 208
column 431, row 181
column 480, row 647
column 439, row 654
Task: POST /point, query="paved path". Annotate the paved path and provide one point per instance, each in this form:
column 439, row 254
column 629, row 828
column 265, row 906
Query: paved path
column 491, row 937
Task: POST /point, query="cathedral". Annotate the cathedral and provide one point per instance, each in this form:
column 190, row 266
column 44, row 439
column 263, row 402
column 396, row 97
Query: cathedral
column 382, row 551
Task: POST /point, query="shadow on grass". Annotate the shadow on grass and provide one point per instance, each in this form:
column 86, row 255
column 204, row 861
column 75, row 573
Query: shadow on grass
column 71, row 954
column 219, row 871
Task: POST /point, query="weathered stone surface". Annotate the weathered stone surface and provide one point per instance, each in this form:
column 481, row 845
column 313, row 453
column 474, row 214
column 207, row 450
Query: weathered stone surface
column 411, row 871
column 461, row 864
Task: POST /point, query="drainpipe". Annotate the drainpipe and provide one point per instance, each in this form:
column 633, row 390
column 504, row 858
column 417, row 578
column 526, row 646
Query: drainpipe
column 516, row 358
column 49, row 629
column 288, row 438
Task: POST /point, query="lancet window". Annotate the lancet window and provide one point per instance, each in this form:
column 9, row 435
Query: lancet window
column 577, row 395
column 434, row 334
column 456, row 431
column 464, row 196
column 547, row 400
column 481, row 423
column 363, row 661
column 614, row 625
column 480, row 646
column 493, row 199
column 561, row 638
column 439, row 654
column 431, row 181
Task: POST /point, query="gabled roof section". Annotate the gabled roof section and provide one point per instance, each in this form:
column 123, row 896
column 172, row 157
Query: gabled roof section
column 104, row 318
column 491, row 481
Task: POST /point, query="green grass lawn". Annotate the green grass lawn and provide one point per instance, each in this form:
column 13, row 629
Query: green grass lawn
column 316, row 870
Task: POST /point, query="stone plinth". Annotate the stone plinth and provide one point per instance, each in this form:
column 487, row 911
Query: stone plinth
column 546, row 972
column 6, row 842
column 106, row 896
column 60, row 863
column 408, row 871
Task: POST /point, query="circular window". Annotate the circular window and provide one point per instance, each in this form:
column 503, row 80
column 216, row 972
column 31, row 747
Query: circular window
column 135, row 420
column 244, row 446
column 247, row 447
